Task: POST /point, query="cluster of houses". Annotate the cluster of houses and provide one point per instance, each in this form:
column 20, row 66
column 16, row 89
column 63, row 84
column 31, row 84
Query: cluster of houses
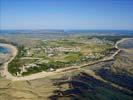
column 61, row 49
column 99, row 41
column 32, row 65
column 25, row 67
column 51, row 50
column 93, row 56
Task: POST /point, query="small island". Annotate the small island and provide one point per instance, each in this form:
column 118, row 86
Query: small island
column 48, row 56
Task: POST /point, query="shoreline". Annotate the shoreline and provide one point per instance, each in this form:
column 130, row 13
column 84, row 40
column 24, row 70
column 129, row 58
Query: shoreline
column 13, row 52
column 120, row 41
column 13, row 49
column 58, row 71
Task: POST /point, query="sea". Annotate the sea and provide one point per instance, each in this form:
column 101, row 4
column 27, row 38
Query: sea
column 68, row 32
column 4, row 50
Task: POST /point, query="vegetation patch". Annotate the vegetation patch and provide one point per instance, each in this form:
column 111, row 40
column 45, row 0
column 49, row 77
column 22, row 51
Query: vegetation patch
column 54, row 54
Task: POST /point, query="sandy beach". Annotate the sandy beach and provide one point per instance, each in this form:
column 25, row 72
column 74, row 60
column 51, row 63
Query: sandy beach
column 12, row 48
column 13, row 52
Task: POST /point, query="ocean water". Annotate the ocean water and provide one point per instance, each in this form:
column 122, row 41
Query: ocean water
column 70, row 32
column 3, row 49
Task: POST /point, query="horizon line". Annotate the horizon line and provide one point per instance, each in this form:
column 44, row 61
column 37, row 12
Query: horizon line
column 70, row 29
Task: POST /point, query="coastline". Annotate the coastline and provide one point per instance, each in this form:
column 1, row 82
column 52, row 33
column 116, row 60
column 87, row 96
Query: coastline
column 120, row 41
column 12, row 48
column 13, row 52
column 45, row 74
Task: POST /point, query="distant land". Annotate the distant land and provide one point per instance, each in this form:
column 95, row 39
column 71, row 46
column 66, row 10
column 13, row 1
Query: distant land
column 70, row 32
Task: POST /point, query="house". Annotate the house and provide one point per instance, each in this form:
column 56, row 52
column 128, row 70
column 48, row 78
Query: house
column 50, row 55
column 51, row 70
column 25, row 67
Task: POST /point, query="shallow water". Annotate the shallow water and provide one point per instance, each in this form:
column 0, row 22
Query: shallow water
column 3, row 50
column 127, row 44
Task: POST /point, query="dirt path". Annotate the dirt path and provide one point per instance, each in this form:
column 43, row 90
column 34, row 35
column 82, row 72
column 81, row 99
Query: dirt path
column 44, row 74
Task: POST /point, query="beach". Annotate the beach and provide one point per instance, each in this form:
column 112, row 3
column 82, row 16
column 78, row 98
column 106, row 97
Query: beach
column 13, row 51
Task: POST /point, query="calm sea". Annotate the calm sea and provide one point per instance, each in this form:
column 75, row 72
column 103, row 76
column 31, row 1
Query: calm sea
column 3, row 50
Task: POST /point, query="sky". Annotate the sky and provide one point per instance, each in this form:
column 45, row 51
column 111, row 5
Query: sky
column 66, row 14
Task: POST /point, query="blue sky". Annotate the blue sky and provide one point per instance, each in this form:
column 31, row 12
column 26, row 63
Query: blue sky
column 66, row 14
